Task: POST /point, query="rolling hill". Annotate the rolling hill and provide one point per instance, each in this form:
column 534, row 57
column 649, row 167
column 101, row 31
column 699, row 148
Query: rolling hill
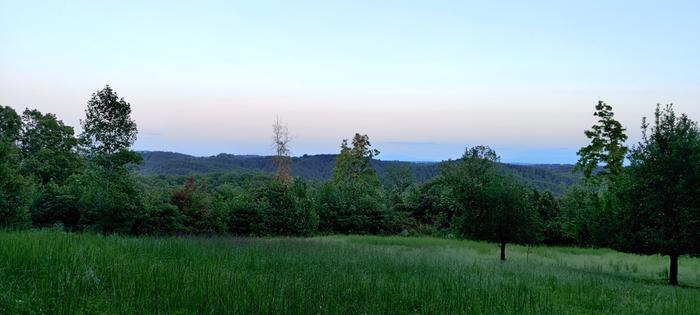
column 554, row 177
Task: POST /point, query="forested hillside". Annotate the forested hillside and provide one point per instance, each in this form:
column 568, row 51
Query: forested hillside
column 553, row 177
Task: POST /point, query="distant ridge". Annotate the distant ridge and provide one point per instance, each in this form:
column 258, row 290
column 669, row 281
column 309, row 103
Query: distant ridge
column 554, row 177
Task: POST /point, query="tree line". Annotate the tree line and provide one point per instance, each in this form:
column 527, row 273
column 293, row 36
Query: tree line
column 51, row 177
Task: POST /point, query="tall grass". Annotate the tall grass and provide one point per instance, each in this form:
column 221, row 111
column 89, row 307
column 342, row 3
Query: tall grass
column 57, row 273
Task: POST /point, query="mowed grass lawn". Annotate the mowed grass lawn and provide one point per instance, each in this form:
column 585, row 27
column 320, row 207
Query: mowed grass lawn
column 48, row 272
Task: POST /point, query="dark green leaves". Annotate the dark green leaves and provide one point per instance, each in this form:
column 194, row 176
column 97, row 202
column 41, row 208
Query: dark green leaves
column 108, row 127
column 607, row 144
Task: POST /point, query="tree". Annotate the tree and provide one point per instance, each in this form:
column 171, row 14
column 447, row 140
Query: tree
column 47, row 147
column 111, row 199
column 193, row 201
column 595, row 219
column 289, row 210
column 108, row 127
column 354, row 162
column 160, row 217
column 548, row 209
column 353, row 201
column 10, row 124
column 488, row 205
column 607, row 145
column 399, row 178
column 281, row 139
column 581, row 215
column 660, row 212
column 14, row 188
column 56, row 204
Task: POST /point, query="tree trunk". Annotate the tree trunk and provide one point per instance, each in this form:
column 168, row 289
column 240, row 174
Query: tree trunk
column 503, row 251
column 673, row 271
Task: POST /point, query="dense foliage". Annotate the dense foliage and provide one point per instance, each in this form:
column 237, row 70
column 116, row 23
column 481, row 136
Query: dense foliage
column 607, row 144
column 661, row 208
column 14, row 190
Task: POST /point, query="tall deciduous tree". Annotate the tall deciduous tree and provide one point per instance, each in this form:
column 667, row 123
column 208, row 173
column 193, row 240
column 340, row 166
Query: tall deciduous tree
column 281, row 140
column 108, row 127
column 354, row 162
column 353, row 201
column 607, row 144
column 661, row 193
column 113, row 200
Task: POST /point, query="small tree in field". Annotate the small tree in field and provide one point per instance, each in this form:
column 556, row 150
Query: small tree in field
column 490, row 206
column 281, row 139
column 661, row 192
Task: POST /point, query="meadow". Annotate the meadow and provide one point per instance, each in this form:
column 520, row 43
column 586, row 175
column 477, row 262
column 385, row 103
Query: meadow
column 52, row 272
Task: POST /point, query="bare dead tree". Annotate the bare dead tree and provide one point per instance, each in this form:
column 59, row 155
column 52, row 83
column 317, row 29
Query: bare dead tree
column 282, row 159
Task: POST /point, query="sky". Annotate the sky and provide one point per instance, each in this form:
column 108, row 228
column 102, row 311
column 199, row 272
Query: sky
column 423, row 79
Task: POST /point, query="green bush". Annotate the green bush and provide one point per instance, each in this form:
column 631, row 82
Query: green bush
column 55, row 204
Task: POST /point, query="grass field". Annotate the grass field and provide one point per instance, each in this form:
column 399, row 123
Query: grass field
column 57, row 273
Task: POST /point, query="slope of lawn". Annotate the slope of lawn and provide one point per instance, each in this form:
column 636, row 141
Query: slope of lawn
column 48, row 272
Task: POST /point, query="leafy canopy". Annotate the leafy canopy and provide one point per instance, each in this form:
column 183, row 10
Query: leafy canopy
column 607, row 144
column 48, row 147
column 10, row 124
column 661, row 193
column 663, row 187
column 354, row 163
column 108, row 127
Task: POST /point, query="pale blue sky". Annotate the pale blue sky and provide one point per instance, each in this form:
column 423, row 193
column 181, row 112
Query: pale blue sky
column 422, row 78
